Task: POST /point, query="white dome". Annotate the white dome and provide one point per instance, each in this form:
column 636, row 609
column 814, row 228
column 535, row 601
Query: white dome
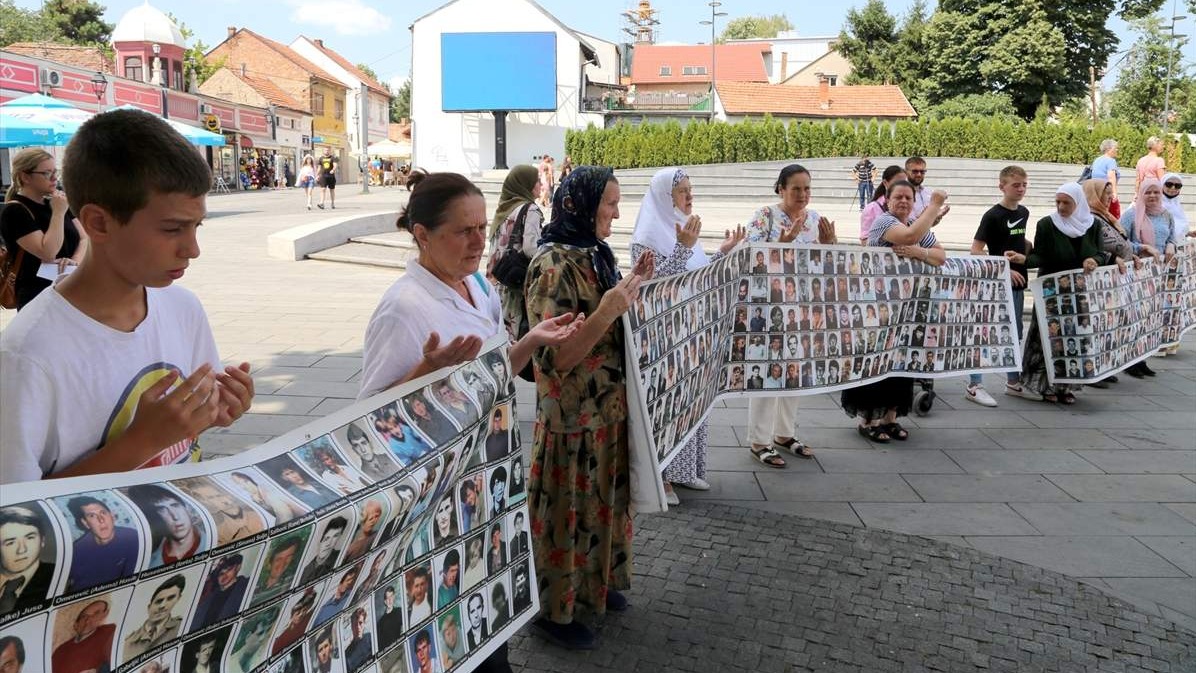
column 147, row 24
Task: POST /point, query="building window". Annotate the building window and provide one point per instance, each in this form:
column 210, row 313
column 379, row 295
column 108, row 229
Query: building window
column 177, row 66
column 834, row 79
column 338, row 107
column 693, row 70
column 666, row 71
column 133, row 69
column 317, row 104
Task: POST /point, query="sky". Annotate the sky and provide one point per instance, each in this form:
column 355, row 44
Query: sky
column 374, row 32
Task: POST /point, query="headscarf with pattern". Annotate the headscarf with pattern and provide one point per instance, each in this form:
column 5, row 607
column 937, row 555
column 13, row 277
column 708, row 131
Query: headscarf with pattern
column 1094, row 191
column 574, row 210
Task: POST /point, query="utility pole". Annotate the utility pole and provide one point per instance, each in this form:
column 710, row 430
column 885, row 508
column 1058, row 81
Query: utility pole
column 714, row 14
column 1092, row 93
column 1170, row 58
column 363, row 134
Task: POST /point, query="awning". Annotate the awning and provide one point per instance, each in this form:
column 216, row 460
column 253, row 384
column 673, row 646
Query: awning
column 262, row 142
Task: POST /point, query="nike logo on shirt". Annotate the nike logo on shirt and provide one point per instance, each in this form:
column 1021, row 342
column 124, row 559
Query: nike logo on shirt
column 1014, row 223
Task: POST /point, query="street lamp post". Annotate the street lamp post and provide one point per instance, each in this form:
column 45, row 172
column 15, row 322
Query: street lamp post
column 1170, row 58
column 714, row 14
column 99, row 86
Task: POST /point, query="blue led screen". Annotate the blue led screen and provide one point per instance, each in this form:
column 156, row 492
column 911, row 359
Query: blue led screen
column 498, row 71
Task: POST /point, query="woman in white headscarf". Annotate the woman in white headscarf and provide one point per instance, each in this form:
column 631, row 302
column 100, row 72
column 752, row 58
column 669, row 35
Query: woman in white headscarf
column 667, row 228
column 1172, row 184
column 1065, row 240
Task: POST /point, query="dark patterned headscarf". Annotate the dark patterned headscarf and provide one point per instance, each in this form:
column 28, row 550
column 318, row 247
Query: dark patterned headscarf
column 574, row 224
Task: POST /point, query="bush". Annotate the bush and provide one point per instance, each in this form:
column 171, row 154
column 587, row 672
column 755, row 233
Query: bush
column 995, row 137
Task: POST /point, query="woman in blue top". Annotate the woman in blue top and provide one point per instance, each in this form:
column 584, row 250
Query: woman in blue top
column 879, row 404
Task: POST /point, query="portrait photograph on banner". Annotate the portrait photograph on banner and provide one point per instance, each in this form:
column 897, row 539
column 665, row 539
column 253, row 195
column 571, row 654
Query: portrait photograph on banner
column 357, row 541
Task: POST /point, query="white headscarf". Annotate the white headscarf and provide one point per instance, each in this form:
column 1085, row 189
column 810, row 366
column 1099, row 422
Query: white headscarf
column 1173, row 206
column 655, row 225
column 1074, row 225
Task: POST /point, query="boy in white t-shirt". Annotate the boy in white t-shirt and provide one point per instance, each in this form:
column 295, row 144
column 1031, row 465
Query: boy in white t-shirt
column 113, row 368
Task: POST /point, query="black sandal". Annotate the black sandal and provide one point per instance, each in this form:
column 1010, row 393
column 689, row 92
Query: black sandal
column 874, row 433
column 897, row 432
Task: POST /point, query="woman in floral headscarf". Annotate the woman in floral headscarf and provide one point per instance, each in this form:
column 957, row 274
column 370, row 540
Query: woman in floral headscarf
column 579, row 493
column 667, row 229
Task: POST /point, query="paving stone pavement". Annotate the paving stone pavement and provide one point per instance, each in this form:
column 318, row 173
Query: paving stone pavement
column 1104, row 492
column 720, row 587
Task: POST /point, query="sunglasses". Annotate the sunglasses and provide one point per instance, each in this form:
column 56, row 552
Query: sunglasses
column 1173, row 185
column 49, row 175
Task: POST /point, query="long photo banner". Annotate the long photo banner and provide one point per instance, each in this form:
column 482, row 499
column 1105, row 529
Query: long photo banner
column 1093, row 325
column 389, row 537
column 772, row 319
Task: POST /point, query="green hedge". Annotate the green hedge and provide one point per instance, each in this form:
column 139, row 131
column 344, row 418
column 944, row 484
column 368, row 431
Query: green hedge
column 702, row 142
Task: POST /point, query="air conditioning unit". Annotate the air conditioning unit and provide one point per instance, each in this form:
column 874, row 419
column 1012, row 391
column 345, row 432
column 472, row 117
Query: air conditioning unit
column 51, row 78
column 205, row 109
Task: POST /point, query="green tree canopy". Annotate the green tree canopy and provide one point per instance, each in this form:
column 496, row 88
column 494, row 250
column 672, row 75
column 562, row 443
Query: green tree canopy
column 400, row 105
column 883, row 51
column 78, row 21
column 995, row 48
column 755, row 26
column 18, row 24
column 1141, row 87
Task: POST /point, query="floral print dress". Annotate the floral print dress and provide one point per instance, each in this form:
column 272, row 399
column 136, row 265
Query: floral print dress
column 579, row 492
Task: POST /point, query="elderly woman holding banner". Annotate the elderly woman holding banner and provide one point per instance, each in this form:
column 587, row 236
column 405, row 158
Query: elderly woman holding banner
column 772, row 421
column 442, row 303
column 668, row 230
column 580, row 492
column 1063, row 241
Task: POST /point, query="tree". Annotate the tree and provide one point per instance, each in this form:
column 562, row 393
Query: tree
column 973, row 106
column 1141, row 86
column 400, row 105
column 1083, row 24
column 882, row 52
column 755, row 26
column 867, row 42
column 991, row 46
column 194, row 57
column 369, row 72
column 23, row 25
column 78, row 21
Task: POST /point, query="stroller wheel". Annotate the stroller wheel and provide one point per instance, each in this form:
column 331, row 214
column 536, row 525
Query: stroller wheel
column 923, row 401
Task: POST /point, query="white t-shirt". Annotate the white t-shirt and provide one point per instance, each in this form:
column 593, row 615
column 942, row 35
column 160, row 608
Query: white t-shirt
column 410, row 310
column 70, row 384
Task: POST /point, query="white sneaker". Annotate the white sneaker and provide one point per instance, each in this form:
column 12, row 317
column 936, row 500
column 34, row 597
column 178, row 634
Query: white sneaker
column 979, row 395
column 698, row 484
column 672, row 498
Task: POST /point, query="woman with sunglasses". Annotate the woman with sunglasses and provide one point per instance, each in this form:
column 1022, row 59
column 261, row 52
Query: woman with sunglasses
column 36, row 224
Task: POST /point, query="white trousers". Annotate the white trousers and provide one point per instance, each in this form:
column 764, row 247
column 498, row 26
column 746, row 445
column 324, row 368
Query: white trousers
column 770, row 417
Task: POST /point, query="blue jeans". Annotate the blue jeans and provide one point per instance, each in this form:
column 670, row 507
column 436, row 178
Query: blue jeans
column 865, row 191
column 1019, row 294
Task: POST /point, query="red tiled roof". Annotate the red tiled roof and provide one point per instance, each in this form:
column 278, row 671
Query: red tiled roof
column 287, row 53
column 881, row 101
column 735, row 62
column 88, row 58
column 352, row 69
column 270, row 91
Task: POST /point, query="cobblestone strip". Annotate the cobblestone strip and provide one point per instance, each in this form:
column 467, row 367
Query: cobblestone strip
column 720, row 588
